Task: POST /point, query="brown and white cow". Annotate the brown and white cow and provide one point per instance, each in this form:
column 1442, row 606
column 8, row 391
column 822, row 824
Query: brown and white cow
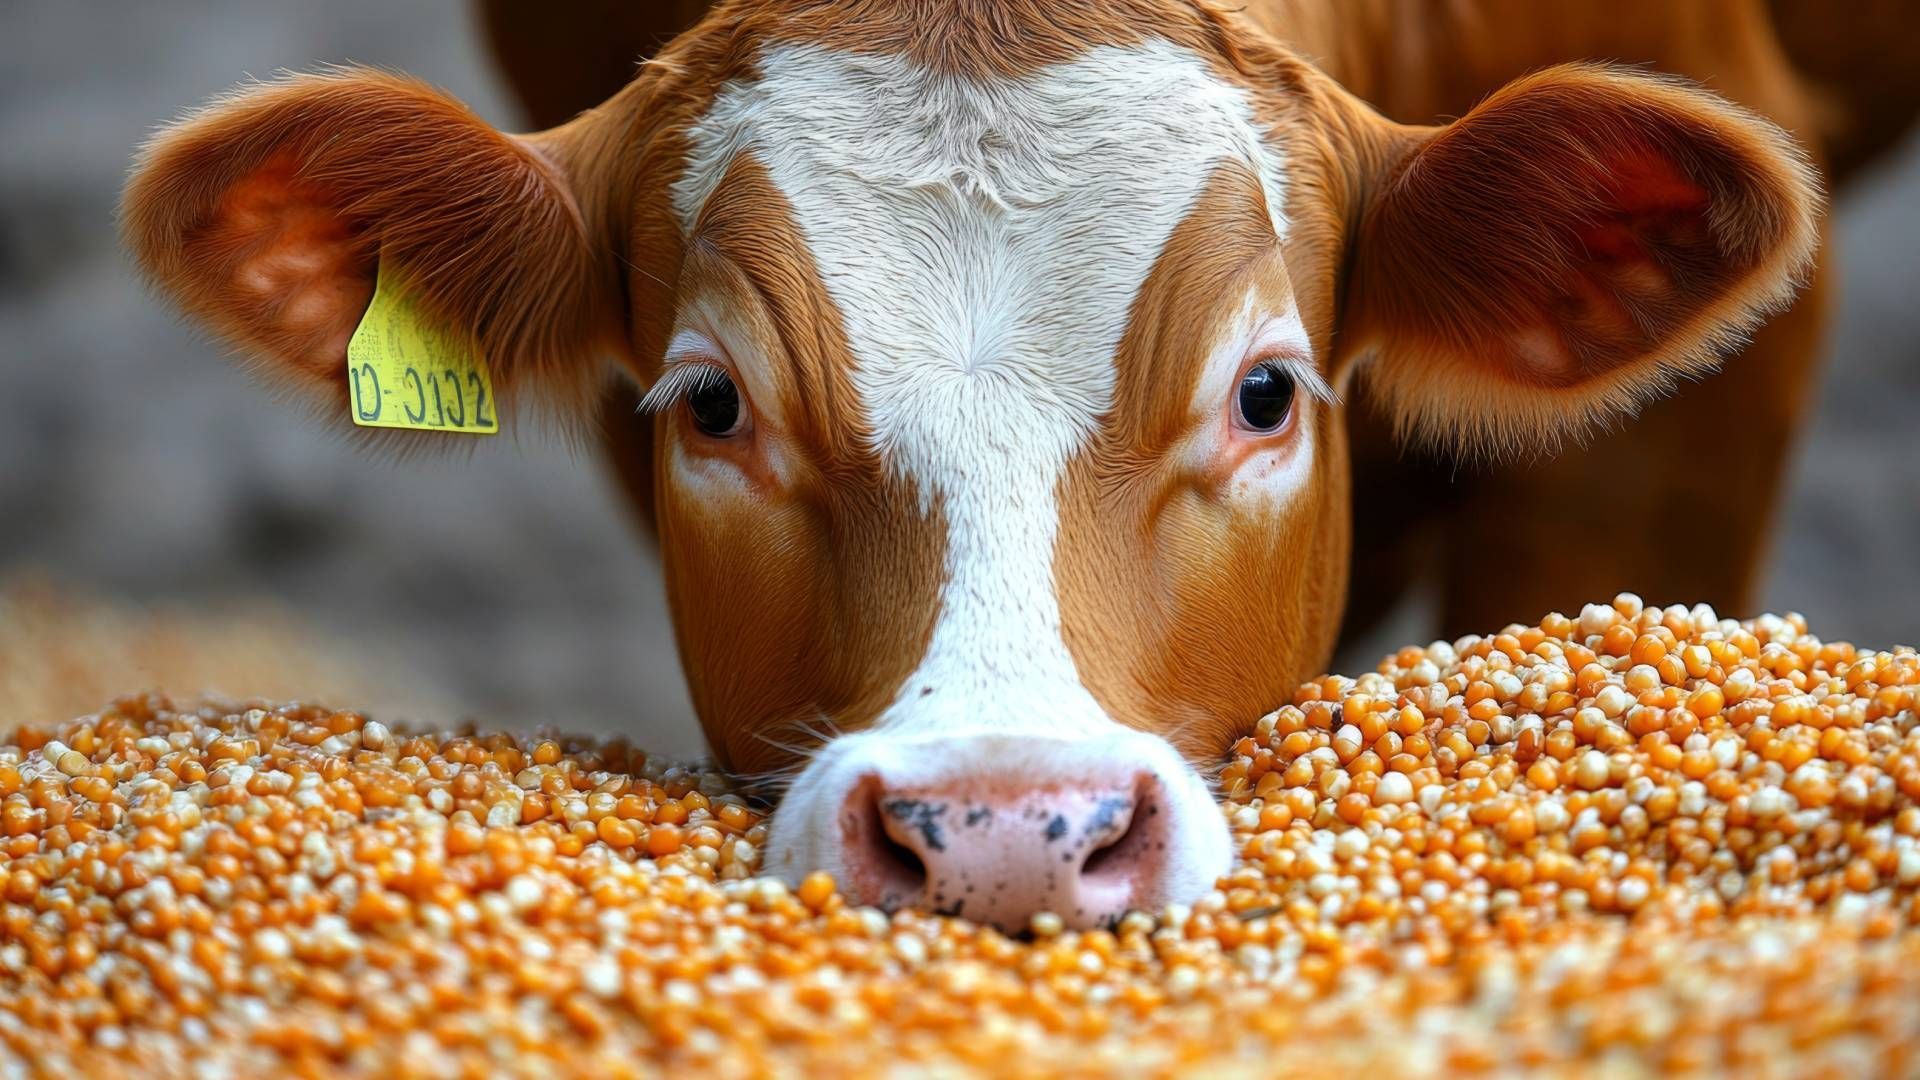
column 999, row 352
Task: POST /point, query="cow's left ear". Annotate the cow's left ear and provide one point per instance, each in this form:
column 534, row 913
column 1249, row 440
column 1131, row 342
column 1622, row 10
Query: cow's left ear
column 1576, row 244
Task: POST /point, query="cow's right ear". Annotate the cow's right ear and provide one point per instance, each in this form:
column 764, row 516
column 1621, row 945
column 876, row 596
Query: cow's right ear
column 266, row 214
column 1572, row 247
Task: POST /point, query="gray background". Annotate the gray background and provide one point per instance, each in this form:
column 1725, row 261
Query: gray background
column 134, row 464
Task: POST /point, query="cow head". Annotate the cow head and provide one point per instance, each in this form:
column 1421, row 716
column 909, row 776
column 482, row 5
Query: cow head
column 997, row 355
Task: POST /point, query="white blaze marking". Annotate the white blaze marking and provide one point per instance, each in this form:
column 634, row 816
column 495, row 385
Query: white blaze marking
column 984, row 241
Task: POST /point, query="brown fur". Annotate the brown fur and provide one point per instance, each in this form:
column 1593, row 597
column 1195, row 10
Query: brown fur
column 1183, row 617
column 1857, row 62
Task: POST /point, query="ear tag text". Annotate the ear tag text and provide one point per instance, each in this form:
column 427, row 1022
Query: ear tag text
column 404, row 371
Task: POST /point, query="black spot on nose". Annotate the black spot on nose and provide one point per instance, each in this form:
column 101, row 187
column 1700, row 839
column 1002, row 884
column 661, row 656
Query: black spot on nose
column 920, row 816
column 1107, row 818
column 1056, row 828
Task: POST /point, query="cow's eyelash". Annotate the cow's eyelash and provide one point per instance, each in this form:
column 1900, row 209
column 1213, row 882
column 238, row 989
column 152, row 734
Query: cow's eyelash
column 681, row 377
column 1305, row 376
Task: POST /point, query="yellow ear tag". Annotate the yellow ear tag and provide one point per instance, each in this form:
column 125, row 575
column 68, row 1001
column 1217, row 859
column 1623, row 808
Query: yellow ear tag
column 406, row 372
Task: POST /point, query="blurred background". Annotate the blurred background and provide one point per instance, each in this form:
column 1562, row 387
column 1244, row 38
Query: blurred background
column 157, row 508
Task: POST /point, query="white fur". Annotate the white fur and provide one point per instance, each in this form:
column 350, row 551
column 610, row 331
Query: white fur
column 984, row 242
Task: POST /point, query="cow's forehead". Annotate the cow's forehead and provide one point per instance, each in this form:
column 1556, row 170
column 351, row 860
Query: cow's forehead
column 982, row 238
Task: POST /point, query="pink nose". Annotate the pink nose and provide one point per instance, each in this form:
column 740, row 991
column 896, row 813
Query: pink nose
column 999, row 856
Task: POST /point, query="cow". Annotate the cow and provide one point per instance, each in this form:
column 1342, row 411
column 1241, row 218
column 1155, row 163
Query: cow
column 996, row 361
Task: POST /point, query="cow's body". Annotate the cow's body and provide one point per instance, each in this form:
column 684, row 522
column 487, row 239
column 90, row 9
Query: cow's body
column 998, row 358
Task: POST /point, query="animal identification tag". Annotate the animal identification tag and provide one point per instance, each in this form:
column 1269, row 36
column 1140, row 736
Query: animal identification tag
column 404, row 371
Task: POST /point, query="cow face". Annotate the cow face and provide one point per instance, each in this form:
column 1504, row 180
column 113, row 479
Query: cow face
column 998, row 464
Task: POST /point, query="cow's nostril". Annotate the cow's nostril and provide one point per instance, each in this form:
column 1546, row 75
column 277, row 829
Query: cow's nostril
column 1137, row 850
column 903, row 866
column 879, row 867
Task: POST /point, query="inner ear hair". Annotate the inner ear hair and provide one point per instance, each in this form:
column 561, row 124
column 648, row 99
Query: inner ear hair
column 1583, row 240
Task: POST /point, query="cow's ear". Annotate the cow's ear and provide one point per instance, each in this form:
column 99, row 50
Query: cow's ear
column 266, row 214
column 1580, row 242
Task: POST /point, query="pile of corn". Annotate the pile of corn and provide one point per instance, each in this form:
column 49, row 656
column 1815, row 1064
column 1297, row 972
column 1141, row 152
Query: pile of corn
column 1642, row 839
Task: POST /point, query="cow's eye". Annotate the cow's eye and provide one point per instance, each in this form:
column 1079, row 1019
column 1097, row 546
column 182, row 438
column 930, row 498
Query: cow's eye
column 714, row 404
column 1266, row 396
